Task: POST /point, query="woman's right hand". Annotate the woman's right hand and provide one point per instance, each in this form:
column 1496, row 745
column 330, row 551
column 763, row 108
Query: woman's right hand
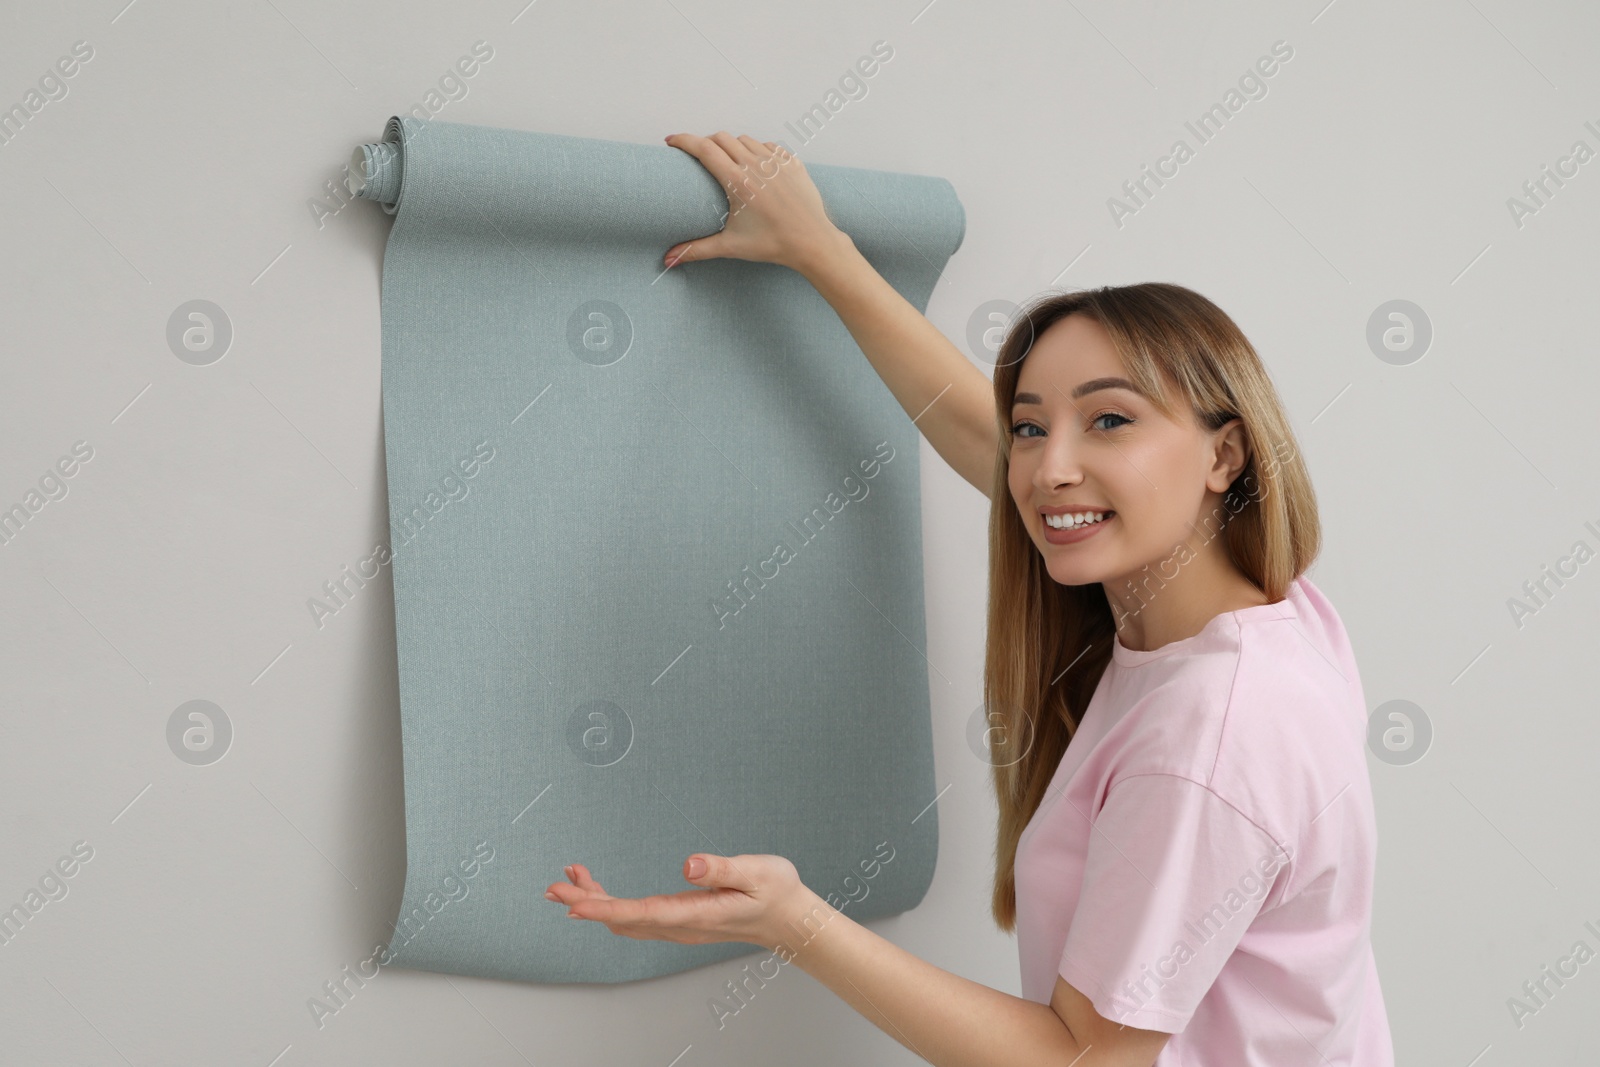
column 775, row 213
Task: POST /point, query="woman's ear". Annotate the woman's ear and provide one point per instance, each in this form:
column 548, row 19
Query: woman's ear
column 1231, row 455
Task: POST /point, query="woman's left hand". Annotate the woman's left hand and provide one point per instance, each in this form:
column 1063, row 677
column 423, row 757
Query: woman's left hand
column 745, row 898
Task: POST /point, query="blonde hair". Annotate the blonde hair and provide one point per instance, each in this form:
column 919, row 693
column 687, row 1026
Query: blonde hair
column 1048, row 644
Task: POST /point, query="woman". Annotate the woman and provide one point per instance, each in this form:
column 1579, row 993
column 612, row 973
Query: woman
column 1190, row 879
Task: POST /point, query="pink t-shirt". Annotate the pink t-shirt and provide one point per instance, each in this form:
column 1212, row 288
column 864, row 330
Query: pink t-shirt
column 1202, row 863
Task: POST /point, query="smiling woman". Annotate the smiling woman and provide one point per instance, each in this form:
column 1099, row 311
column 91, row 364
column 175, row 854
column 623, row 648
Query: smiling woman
column 1149, row 659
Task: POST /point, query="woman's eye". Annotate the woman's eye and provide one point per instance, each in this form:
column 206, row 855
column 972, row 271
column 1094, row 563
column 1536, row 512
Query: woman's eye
column 1019, row 429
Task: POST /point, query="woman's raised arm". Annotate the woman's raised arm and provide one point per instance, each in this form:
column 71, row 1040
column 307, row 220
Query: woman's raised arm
column 776, row 215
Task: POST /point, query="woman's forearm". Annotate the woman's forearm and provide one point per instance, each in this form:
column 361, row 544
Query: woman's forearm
column 948, row 1020
column 951, row 401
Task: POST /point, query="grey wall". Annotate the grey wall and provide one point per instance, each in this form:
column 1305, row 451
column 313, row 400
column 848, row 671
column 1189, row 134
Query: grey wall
column 1381, row 164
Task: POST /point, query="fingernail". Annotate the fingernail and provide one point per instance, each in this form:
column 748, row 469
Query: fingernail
column 552, row 896
column 697, row 867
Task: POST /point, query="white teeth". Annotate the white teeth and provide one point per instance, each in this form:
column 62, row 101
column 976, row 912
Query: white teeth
column 1072, row 521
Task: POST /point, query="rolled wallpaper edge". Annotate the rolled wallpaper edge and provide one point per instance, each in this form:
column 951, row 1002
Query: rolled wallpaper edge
column 575, row 188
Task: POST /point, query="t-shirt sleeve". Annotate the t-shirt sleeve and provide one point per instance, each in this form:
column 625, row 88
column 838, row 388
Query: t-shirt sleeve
column 1173, row 877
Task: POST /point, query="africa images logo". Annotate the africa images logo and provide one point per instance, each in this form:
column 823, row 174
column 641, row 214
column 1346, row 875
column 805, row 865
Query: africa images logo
column 742, row 590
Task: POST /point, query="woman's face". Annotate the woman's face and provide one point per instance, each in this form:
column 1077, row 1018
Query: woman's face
column 1081, row 442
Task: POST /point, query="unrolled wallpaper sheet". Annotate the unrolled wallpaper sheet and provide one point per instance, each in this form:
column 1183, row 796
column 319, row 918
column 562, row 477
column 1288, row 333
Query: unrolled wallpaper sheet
column 657, row 547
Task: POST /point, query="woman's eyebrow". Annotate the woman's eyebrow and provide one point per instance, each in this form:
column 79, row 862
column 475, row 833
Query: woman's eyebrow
column 1091, row 386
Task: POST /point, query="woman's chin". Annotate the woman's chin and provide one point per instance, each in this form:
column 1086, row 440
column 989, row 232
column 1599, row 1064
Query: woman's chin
column 1075, row 573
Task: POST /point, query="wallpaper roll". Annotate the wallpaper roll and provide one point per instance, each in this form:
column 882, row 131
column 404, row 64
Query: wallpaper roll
column 656, row 548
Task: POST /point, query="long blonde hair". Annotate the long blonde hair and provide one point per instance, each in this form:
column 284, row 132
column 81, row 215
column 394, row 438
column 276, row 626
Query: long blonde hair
column 1048, row 644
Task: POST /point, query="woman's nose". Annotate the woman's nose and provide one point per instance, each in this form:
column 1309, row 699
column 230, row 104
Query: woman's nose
column 1058, row 465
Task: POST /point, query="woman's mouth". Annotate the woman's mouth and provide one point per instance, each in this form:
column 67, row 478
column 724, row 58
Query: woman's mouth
column 1074, row 530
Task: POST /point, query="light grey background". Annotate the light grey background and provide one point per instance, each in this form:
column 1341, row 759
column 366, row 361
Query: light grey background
column 180, row 166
